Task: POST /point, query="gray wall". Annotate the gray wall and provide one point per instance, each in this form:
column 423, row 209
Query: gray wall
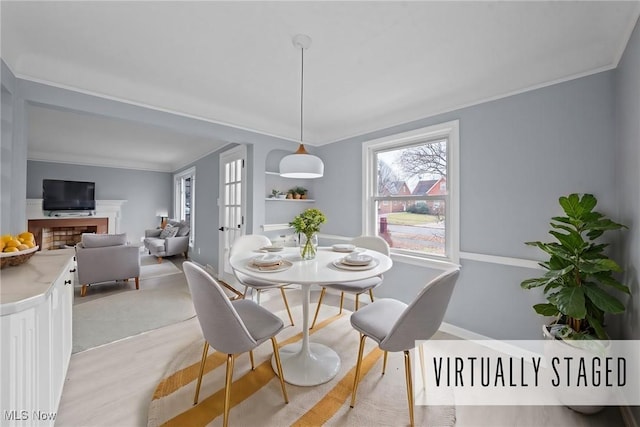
column 628, row 181
column 145, row 192
column 517, row 156
column 13, row 155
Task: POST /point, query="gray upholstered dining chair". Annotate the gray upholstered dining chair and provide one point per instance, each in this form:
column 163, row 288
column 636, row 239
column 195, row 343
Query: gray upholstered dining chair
column 396, row 326
column 357, row 287
column 231, row 327
column 248, row 243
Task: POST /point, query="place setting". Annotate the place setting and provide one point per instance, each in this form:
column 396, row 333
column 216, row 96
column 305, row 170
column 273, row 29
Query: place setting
column 272, row 248
column 356, row 261
column 268, row 263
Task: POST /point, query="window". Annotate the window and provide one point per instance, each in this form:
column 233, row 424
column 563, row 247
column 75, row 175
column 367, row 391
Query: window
column 411, row 195
column 184, row 199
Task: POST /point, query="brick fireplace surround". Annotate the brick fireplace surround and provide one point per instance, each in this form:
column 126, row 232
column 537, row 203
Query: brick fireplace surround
column 55, row 232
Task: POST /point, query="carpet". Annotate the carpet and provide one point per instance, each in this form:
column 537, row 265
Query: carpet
column 149, row 267
column 256, row 398
column 126, row 314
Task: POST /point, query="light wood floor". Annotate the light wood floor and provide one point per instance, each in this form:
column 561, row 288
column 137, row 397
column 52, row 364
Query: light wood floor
column 112, row 385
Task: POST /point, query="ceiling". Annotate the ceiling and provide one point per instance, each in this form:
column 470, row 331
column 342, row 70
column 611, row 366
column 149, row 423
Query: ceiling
column 371, row 65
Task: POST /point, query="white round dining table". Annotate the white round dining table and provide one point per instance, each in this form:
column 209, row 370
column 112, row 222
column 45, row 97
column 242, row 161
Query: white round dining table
column 305, row 363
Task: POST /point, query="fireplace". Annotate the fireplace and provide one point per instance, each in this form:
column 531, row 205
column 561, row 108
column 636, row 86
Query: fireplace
column 56, row 233
column 52, row 232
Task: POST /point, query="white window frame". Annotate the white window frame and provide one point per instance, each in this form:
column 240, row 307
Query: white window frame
column 178, row 202
column 450, row 131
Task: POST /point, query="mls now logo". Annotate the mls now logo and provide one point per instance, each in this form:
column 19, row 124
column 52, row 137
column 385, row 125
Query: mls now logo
column 23, row 415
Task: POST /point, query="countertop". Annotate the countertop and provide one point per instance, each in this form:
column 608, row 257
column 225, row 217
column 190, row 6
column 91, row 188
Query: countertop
column 27, row 285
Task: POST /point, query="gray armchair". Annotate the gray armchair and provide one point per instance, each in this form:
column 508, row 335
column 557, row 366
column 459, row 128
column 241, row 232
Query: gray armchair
column 169, row 241
column 106, row 258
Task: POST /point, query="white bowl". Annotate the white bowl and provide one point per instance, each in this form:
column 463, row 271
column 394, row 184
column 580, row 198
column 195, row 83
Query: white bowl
column 266, row 260
column 343, row 247
column 357, row 259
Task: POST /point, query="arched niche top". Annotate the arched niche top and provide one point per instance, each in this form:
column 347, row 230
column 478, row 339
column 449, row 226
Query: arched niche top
column 272, row 161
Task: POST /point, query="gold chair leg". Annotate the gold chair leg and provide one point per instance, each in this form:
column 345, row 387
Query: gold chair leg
column 204, row 358
column 137, row 282
column 424, row 371
column 227, row 390
column 318, row 308
column 341, row 301
column 83, row 290
column 407, row 369
column 356, row 379
column 384, row 362
column 371, row 294
column 357, row 301
column 276, row 354
column 253, row 366
column 286, row 304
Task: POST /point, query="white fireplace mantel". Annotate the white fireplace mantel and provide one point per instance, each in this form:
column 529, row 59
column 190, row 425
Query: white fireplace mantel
column 110, row 209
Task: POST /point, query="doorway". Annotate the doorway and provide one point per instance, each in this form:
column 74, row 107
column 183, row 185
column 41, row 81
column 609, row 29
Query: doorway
column 232, row 206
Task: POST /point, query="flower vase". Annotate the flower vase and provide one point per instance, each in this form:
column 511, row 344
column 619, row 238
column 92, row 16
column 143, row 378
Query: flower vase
column 308, row 246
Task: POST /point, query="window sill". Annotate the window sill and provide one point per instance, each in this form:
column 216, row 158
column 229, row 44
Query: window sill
column 423, row 262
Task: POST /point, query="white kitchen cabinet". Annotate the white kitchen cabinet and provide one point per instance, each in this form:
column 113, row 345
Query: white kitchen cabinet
column 36, row 326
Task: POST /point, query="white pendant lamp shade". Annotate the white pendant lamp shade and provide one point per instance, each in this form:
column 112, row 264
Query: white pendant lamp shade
column 301, row 164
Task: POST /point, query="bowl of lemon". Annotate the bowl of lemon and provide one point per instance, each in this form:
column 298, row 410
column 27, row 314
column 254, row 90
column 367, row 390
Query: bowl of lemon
column 16, row 250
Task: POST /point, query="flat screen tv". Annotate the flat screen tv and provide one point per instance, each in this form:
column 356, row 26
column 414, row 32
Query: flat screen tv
column 59, row 195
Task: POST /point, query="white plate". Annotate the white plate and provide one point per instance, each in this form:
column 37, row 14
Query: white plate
column 284, row 264
column 343, row 247
column 272, row 248
column 357, row 259
column 266, row 260
column 339, row 264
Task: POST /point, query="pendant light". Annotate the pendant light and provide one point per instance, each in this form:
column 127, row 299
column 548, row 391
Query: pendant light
column 301, row 164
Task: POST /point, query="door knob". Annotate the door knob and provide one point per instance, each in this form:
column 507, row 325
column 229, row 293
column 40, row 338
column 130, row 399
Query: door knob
column 221, row 228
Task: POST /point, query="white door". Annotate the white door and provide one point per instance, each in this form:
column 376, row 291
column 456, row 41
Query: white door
column 232, row 206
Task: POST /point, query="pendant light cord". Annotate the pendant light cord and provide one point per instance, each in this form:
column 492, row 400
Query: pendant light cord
column 301, row 93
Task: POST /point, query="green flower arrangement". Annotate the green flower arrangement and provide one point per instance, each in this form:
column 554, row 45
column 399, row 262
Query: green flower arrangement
column 308, row 223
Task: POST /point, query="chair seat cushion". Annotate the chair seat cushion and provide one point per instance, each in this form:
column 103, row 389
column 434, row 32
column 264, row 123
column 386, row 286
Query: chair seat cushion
column 257, row 283
column 154, row 243
column 357, row 286
column 260, row 322
column 376, row 319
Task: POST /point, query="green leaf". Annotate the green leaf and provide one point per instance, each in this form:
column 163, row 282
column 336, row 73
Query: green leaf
column 572, row 241
column 588, row 202
column 563, row 219
column 597, row 327
column 533, row 283
column 571, row 206
column 570, row 302
column 601, row 299
column 591, row 266
column 606, row 279
column 546, row 309
column 564, row 227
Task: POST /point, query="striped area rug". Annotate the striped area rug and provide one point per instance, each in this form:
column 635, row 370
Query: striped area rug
column 256, row 398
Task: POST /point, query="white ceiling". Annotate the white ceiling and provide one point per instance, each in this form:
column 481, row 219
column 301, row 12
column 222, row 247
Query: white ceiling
column 371, row 65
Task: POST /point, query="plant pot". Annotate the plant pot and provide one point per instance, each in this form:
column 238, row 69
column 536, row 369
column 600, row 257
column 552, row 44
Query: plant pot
column 554, row 347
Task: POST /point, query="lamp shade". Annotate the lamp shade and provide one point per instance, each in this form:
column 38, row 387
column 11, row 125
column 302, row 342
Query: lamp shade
column 301, row 165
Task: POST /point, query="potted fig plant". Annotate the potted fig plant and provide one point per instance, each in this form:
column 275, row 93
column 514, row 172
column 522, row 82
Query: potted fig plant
column 578, row 271
column 575, row 286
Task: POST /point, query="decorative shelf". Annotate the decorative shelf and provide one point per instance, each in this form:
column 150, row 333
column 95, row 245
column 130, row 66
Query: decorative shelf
column 273, row 199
